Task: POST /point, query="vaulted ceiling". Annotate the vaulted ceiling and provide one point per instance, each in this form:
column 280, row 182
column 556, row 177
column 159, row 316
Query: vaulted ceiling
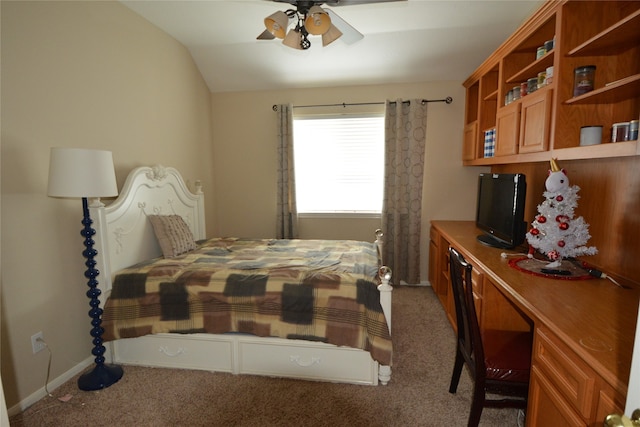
column 404, row 41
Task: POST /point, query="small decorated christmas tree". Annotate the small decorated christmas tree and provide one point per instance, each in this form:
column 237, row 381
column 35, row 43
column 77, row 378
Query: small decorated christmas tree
column 555, row 232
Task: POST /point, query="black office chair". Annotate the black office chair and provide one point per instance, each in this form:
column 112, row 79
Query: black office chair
column 499, row 361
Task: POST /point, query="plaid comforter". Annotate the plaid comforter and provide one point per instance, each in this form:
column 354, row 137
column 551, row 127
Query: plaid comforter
column 318, row 290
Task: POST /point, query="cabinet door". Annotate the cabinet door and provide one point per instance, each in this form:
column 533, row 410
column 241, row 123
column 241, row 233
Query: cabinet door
column 535, row 118
column 477, row 282
column 469, row 149
column 507, row 130
column 433, row 262
column 546, row 406
column 609, row 402
column 570, row 374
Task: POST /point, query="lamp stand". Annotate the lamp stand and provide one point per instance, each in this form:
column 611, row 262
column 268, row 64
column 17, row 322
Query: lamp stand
column 102, row 375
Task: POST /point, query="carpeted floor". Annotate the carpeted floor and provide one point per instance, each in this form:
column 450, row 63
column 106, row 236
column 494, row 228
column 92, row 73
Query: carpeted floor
column 417, row 395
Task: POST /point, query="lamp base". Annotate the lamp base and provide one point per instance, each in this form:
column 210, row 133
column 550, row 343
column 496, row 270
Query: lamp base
column 101, row 376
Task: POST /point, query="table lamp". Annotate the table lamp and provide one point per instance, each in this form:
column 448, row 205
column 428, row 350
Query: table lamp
column 84, row 173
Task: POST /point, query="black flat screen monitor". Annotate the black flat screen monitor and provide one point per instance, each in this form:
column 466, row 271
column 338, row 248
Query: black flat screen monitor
column 500, row 209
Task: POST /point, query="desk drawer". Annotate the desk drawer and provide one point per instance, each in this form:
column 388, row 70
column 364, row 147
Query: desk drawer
column 567, row 371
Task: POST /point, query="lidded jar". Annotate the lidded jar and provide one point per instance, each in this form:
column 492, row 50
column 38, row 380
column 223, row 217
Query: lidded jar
column 583, row 79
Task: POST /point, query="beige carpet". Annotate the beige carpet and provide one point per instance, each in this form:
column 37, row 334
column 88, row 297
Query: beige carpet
column 417, row 395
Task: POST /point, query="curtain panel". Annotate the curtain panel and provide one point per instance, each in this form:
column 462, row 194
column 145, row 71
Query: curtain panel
column 405, row 135
column 287, row 214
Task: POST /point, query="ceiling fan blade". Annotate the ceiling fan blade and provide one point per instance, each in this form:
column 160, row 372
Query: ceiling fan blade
column 337, row 2
column 266, row 35
column 291, row 2
column 349, row 34
column 355, row 2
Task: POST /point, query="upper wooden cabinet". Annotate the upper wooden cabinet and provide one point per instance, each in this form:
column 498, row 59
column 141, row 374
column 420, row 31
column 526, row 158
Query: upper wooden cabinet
column 547, row 122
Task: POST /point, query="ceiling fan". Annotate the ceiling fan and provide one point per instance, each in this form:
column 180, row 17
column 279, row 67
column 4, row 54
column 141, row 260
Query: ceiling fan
column 310, row 19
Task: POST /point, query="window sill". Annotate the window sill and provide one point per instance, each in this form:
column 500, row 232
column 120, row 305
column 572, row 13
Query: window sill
column 334, row 215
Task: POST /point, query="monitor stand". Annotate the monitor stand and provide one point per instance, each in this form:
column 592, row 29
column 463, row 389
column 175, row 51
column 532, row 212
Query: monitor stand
column 489, row 240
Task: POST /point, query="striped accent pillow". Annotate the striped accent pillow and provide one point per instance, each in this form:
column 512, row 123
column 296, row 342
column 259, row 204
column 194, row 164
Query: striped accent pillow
column 173, row 234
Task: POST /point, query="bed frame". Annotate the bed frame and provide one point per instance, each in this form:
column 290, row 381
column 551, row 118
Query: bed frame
column 124, row 237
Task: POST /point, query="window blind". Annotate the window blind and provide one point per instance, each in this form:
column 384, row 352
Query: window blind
column 339, row 164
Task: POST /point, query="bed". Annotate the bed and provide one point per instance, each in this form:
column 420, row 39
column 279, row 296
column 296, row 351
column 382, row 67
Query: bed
column 306, row 309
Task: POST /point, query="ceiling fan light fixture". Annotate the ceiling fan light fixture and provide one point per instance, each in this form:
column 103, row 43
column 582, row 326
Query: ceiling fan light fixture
column 318, row 21
column 312, row 20
column 277, row 24
column 332, row 34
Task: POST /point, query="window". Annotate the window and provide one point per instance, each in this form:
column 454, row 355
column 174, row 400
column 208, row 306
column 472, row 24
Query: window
column 339, row 164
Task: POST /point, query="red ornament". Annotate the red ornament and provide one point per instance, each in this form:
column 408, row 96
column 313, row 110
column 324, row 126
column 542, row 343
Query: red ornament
column 562, row 218
column 542, row 219
column 553, row 255
column 559, row 197
column 534, row 232
column 563, row 226
column 561, row 243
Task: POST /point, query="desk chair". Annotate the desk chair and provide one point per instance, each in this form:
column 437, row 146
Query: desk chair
column 499, row 361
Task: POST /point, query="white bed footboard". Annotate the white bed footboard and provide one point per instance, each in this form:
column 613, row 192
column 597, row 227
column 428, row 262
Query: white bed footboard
column 124, row 237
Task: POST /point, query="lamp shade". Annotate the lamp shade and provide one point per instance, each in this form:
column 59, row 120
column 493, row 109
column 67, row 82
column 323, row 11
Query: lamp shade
column 318, row 21
column 79, row 172
column 293, row 39
column 331, row 35
column 277, row 23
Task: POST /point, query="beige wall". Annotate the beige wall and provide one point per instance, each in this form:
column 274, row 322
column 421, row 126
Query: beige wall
column 79, row 74
column 244, row 129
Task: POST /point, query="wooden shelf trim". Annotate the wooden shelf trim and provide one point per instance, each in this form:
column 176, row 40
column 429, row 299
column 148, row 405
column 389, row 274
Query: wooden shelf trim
column 612, row 40
column 492, row 95
column 613, row 92
column 611, row 149
column 614, row 149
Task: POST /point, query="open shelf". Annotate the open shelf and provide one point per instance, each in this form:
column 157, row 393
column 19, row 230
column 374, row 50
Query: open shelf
column 533, row 69
column 613, row 40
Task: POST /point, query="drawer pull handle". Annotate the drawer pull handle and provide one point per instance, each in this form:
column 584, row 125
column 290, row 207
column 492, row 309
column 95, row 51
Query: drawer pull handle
column 165, row 350
column 299, row 362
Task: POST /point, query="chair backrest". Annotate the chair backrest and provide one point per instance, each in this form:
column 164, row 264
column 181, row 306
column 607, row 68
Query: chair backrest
column 469, row 338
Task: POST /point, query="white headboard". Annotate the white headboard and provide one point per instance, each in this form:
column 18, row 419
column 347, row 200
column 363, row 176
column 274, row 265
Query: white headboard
column 124, row 236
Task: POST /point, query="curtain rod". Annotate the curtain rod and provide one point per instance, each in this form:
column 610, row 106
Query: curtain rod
column 447, row 100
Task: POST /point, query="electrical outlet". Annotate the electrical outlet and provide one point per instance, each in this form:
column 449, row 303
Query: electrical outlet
column 37, row 342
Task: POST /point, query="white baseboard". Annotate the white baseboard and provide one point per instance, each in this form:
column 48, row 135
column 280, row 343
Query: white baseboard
column 52, row 385
column 4, row 416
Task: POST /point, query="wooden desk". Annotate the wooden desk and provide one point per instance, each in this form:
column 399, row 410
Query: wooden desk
column 584, row 329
